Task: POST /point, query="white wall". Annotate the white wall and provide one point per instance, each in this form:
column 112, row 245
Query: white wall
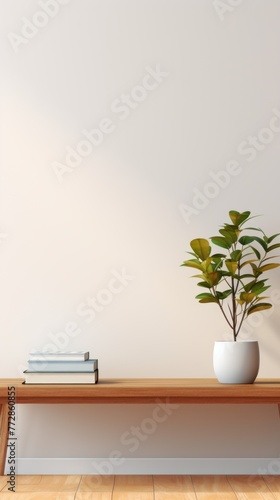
column 126, row 207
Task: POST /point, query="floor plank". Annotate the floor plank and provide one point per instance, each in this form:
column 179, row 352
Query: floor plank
column 273, row 483
column 142, row 487
column 133, row 488
column 47, row 484
column 250, row 488
column 140, row 484
column 132, row 495
column 173, row 488
column 96, row 483
column 3, row 482
column 105, row 495
column 27, row 479
column 171, row 495
column 213, row 488
column 37, row 495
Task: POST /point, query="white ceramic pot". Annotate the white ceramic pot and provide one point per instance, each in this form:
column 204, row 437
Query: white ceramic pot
column 236, row 362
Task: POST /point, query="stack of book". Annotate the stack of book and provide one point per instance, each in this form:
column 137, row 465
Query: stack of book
column 61, row 368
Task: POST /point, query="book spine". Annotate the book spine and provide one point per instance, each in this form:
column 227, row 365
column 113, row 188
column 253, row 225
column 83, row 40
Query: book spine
column 61, row 378
column 62, row 366
column 57, row 358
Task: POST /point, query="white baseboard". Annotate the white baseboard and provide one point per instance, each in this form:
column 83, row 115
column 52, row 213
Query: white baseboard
column 104, row 466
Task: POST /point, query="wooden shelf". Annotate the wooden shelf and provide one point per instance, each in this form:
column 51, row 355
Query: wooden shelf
column 134, row 391
column 145, row 391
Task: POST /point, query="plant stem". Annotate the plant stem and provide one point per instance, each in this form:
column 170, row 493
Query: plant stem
column 241, row 321
column 224, row 314
column 234, row 319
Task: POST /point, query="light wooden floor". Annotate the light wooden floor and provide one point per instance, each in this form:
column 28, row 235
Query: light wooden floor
column 142, row 488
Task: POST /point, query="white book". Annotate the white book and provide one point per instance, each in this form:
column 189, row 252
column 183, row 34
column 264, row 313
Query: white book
column 63, row 366
column 59, row 356
column 61, row 377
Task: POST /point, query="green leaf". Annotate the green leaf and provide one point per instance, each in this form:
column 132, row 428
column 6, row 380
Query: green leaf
column 230, row 234
column 224, row 295
column 261, row 298
column 258, row 307
column 247, row 287
column 218, row 264
column 256, row 270
column 261, row 242
column 246, row 240
column 231, row 227
column 220, row 241
column 207, row 266
column 247, row 262
column 218, row 256
column 276, row 245
column 193, row 254
column 227, row 273
column 266, row 267
column 240, row 302
column 232, row 266
column 234, row 216
column 243, row 216
column 238, row 218
column 201, row 276
column 256, row 252
column 213, row 278
column 208, row 300
column 247, row 297
column 256, row 287
column 271, row 257
column 217, row 259
column 201, row 248
column 254, row 229
column 205, row 296
column 236, row 255
column 193, row 263
column 261, row 290
column 269, row 240
column 204, row 284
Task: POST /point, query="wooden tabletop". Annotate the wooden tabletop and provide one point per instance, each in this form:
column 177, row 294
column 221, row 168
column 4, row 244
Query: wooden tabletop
column 145, row 390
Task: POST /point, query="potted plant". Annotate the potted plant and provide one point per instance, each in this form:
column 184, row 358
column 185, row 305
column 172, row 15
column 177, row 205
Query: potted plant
column 235, row 281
